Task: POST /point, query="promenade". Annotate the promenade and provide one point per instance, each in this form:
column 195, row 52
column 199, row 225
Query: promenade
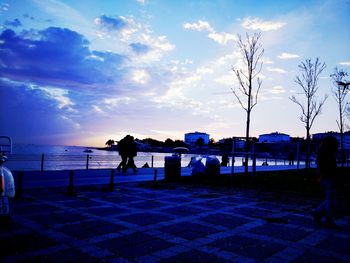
column 33, row 179
column 138, row 222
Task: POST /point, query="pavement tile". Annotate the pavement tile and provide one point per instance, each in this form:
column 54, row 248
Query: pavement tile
column 174, row 223
column 188, row 230
column 248, row 247
column 91, row 228
column 21, row 243
column 60, row 217
column 183, row 211
column 106, row 211
column 314, row 257
column 281, row 232
column 335, row 244
column 226, row 220
column 144, row 218
column 194, row 256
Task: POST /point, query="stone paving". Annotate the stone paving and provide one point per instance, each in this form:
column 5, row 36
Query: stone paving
column 170, row 223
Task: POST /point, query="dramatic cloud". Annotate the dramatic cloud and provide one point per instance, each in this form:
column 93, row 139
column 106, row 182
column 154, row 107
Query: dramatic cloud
column 55, row 56
column 288, row 56
column 13, row 23
column 35, row 113
column 259, row 24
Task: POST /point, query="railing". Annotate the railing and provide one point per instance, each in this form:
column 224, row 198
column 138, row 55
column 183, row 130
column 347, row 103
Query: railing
column 46, row 162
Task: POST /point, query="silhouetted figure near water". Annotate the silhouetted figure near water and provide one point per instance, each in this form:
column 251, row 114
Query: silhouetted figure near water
column 327, row 172
column 224, row 160
column 122, row 149
column 291, row 158
column 131, row 153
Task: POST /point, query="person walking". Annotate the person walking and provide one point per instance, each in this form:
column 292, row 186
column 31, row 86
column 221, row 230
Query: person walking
column 122, row 149
column 327, row 172
column 131, row 153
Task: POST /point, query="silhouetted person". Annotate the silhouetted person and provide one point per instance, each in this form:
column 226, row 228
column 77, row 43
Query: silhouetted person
column 122, row 149
column 224, row 160
column 131, row 153
column 327, row 172
column 291, row 158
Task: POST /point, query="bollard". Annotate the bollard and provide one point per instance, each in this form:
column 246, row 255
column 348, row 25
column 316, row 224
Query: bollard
column 111, row 180
column 87, row 162
column 70, row 190
column 42, row 163
column 152, row 161
column 19, row 190
column 155, row 177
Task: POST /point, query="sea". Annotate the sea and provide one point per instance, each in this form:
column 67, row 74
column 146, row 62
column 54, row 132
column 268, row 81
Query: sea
column 58, row 157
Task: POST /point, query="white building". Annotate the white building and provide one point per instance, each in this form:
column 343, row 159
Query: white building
column 320, row 136
column 274, row 137
column 192, row 137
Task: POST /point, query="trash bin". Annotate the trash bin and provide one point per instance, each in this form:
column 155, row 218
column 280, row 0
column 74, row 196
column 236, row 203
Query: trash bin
column 172, row 167
column 212, row 166
column 198, row 168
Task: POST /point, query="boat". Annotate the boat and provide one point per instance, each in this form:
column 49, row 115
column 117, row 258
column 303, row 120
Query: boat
column 88, row 151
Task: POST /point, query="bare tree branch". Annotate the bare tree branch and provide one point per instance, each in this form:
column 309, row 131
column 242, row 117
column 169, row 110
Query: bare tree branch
column 310, row 107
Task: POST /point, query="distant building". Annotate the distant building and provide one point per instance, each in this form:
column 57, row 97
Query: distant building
column 320, row 136
column 192, row 137
column 274, row 137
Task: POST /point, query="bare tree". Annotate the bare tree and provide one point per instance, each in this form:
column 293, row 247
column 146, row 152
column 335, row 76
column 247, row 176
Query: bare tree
column 248, row 78
column 340, row 92
column 311, row 107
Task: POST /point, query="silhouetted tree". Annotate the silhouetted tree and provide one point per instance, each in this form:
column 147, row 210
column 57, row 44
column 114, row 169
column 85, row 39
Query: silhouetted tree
column 249, row 82
column 199, row 142
column 311, row 107
column 340, row 92
column 169, row 143
column 110, row 142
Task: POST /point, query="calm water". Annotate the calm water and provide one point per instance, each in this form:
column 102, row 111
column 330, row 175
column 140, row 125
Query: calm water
column 56, row 157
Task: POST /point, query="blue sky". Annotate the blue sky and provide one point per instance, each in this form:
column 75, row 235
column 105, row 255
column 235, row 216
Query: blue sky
column 83, row 72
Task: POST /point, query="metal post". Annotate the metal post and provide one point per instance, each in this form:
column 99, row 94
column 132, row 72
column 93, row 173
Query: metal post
column 254, row 164
column 152, row 161
column 42, row 162
column 87, row 162
column 233, row 157
column 19, row 190
column 70, row 190
column 111, row 180
column 298, row 153
column 155, row 176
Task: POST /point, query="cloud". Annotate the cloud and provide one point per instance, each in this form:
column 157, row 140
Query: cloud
column 111, row 23
column 139, row 48
column 13, row 23
column 199, row 26
column 288, row 56
column 259, row 24
column 276, row 90
column 142, row 2
column 277, row 70
column 35, row 113
column 55, row 56
column 222, row 38
column 345, row 63
column 140, row 76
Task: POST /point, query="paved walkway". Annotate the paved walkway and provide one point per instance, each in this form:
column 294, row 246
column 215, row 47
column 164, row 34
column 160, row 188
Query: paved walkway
column 170, row 223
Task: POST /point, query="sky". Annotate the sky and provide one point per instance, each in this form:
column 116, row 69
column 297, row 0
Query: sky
column 85, row 71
